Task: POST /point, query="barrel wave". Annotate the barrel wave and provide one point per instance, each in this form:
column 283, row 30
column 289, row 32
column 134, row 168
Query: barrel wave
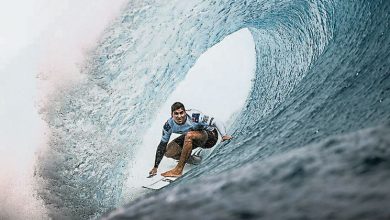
column 314, row 131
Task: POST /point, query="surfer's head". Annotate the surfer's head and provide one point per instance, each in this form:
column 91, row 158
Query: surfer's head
column 178, row 112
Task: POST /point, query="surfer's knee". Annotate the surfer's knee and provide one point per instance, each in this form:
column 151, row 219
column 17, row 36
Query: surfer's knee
column 196, row 136
column 173, row 149
column 192, row 135
column 189, row 136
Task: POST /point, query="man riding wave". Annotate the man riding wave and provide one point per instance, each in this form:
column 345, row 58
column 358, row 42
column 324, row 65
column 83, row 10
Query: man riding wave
column 196, row 129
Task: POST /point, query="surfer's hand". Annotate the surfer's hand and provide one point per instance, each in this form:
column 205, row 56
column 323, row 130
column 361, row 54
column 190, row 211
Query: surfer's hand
column 153, row 171
column 226, row 137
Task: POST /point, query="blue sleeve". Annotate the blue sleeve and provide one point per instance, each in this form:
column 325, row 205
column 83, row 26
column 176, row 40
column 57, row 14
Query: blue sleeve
column 166, row 132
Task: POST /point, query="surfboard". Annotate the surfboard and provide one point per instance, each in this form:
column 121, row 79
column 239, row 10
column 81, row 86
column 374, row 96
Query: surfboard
column 158, row 182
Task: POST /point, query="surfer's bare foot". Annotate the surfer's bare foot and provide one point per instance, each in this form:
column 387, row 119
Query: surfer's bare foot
column 172, row 173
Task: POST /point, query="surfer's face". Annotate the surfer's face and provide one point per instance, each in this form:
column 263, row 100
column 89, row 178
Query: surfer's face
column 179, row 116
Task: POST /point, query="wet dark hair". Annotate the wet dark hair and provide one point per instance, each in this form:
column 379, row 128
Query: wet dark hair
column 177, row 105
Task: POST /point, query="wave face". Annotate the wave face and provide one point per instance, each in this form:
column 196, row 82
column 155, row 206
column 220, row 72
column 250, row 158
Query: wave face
column 322, row 70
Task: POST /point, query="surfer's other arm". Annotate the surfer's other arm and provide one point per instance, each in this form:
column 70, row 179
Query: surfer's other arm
column 162, row 147
column 220, row 128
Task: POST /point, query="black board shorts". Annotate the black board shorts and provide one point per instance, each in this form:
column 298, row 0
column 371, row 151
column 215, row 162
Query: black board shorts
column 211, row 140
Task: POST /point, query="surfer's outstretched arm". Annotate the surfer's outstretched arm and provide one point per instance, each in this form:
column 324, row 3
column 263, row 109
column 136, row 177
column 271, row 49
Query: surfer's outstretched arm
column 220, row 128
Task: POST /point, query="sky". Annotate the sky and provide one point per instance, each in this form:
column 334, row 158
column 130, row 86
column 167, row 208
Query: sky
column 42, row 45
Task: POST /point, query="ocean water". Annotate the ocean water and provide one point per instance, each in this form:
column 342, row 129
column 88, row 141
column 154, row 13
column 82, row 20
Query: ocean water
column 310, row 142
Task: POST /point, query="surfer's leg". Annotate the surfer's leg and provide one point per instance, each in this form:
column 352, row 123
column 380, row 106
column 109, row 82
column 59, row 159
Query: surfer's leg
column 192, row 138
column 174, row 148
column 212, row 139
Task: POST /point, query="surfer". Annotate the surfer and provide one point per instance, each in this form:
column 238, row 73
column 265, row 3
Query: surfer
column 196, row 129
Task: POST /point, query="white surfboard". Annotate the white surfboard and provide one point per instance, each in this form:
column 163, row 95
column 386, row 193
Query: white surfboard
column 158, row 182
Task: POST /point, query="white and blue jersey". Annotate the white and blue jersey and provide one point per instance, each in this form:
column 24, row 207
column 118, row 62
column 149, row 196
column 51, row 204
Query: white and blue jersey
column 194, row 121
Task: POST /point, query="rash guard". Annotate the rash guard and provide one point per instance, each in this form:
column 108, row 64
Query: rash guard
column 195, row 121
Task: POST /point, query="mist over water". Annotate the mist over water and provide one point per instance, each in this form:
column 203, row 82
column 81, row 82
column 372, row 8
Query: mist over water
column 42, row 46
